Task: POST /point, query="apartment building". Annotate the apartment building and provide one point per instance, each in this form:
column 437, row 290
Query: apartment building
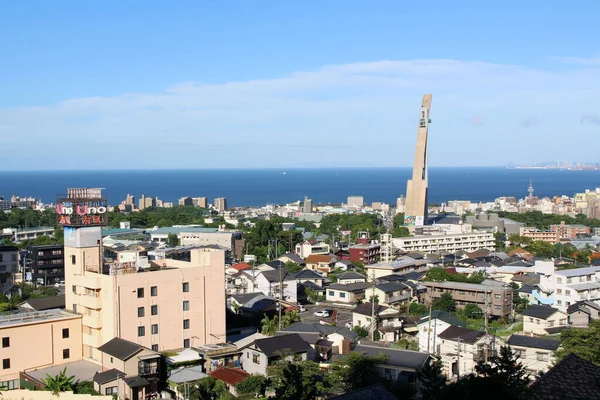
column 177, row 302
column 564, row 288
column 46, row 263
column 308, row 248
column 404, row 265
column 450, row 242
column 220, row 204
column 22, row 234
column 498, row 296
column 550, row 236
column 37, row 339
column 366, row 253
column 570, row 231
column 9, row 265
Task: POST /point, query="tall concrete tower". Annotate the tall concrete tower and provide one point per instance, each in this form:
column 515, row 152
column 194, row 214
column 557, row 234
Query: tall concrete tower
column 415, row 213
column 530, row 189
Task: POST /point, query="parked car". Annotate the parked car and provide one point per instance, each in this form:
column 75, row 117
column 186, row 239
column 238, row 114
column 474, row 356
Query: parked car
column 59, row 284
column 301, row 308
column 321, row 313
column 349, row 325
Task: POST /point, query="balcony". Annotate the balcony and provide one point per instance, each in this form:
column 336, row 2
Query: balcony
column 92, row 322
column 149, row 366
column 92, row 341
column 92, row 302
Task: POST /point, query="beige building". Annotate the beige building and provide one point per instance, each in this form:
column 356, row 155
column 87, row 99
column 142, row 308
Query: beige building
column 37, row 339
column 24, row 394
column 220, row 204
column 201, row 202
column 536, row 234
column 542, row 320
column 447, row 242
column 177, row 302
column 536, row 354
column 497, row 296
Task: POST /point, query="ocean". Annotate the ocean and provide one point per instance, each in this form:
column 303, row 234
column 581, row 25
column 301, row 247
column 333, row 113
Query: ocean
column 257, row 187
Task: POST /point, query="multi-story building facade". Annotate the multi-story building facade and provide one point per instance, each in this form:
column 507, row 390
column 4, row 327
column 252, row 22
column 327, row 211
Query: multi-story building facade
column 571, row 231
column 366, row 253
column 543, row 320
column 552, row 237
column 201, row 202
column 37, row 339
column 536, row 354
column 450, row 242
column 220, row 204
column 9, row 263
column 496, row 295
column 186, row 201
column 307, row 248
column 46, row 263
column 564, row 288
column 179, row 303
column 22, row 234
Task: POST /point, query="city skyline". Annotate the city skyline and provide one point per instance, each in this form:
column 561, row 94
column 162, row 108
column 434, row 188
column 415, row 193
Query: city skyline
column 216, row 86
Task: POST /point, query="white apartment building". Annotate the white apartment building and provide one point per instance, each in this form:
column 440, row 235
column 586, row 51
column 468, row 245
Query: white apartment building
column 563, row 288
column 451, row 242
column 307, row 248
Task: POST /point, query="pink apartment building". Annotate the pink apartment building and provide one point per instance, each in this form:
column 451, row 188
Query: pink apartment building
column 39, row 339
column 176, row 303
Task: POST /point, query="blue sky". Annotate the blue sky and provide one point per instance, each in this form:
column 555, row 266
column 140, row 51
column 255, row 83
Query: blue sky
column 216, row 84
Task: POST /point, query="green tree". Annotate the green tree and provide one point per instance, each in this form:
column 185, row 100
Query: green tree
column 360, row 331
column 59, row 383
column 541, row 249
column 209, row 388
column 444, row 303
column 416, row 309
column 472, row 311
column 582, row 342
column 289, row 318
column 297, row 380
column 432, row 380
column 356, row 370
column 584, row 255
column 500, row 239
column 516, row 240
column 254, row 384
column 85, row 387
column 293, row 267
column 269, row 325
column 442, row 275
column 398, row 228
column 505, row 371
column 172, row 240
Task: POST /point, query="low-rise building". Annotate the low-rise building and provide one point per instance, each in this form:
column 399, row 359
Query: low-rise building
column 350, row 277
column 325, row 340
column 35, row 339
column 129, row 370
column 571, row 231
column 449, row 242
column 429, row 330
column 307, row 248
column 462, row 348
column 366, row 253
column 536, row 354
column 230, row 377
column 46, row 263
column 404, row 265
column 387, row 321
column 582, row 313
column 565, row 287
column 265, row 352
column 349, row 293
column 400, row 365
column 497, row 296
column 542, row 320
column 9, row 265
column 535, row 234
column 323, row 263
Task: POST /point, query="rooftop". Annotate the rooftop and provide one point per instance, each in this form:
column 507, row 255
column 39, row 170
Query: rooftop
column 533, row 342
column 350, row 287
column 45, row 303
column 31, row 317
column 231, row 376
column 350, row 275
column 396, row 357
column 578, row 271
column 396, row 264
column 539, row 311
column 480, row 287
column 81, row 370
column 272, row 346
column 120, row 348
column 466, row 335
column 182, row 229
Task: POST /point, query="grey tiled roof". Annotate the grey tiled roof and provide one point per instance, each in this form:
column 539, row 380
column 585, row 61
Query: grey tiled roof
column 533, row 342
column 539, row 311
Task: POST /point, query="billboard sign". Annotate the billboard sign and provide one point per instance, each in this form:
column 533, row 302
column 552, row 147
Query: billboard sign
column 409, row 220
column 82, row 207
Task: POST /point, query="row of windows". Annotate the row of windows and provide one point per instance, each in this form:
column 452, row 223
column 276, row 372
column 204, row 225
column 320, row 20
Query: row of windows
column 6, row 339
column 154, row 328
column 342, row 294
column 6, row 361
column 185, row 287
column 10, row 385
column 141, row 311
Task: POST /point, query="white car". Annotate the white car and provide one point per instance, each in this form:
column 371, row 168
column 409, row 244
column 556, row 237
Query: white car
column 322, row 313
column 59, row 284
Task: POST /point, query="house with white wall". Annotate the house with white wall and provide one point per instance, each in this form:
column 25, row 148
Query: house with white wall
column 440, row 321
column 262, row 353
column 542, row 320
column 347, row 294
column 536, row 354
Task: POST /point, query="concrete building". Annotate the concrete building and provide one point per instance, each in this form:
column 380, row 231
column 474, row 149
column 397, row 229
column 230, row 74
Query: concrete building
column 355, row 202
column 536, row 354
column 21, row 234
column 37, row 339
column 429, row 331
column 497, row 296
column 364, row 252
column 46, row 263
column 201, row 202
column 146, row 202
column 491, row 222
column 582, row 313
column 566, row 287
column 571, row 231
column 537, row 234
column 185, row 201
column 179, row 302
column 321, row 263
column 349, row 293
column 307, row 248
column 416, row 188
column 307, row 206
column 9, row 265
column 402, row 265
column 220, row 204
column 387, row 320
column 446, row 243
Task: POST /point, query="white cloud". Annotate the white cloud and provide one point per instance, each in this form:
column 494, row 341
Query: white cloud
column 593, row 61
column 368, row 110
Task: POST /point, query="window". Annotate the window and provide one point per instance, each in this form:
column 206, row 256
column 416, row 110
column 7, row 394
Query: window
column 140, row 293
column 497, row 296
column 109, row 391
column 342, row 295
column 186, row 324
column 256, row 358
column 558, row 291
column 6, row 363
column 73, row 259
column 141, row 312
column 558, row 302
column 5, row 342
column 186, row 305
column 154, row 310
column 558, row 280
column 568, row 292
column 154, row 329
column 569, row 280
column 154, row 347
column 66, row 354
column 550, row 324
column 186, row 343
column 153, row 291
column 65, row 333
column 186, row 286
column 141, row 331
column 331, row 293
column 530, row 319
column 542, row 356
column 10, row 385
column 74, row 289
column 562, row 322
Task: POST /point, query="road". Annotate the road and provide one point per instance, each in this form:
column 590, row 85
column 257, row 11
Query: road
column 344, row 315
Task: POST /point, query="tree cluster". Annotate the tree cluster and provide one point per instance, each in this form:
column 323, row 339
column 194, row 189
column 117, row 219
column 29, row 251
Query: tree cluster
column 543, row 221
column 398, row 228
column 442, row 275
column 581, row 341
column 271, row 325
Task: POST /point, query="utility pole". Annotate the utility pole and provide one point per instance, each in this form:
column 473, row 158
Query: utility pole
column 458, row 360
column 429, row 328
column 280, row 294
column 373, row 324
column 485, row 316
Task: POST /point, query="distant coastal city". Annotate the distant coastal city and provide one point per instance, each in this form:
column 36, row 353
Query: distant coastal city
column 562, row 165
